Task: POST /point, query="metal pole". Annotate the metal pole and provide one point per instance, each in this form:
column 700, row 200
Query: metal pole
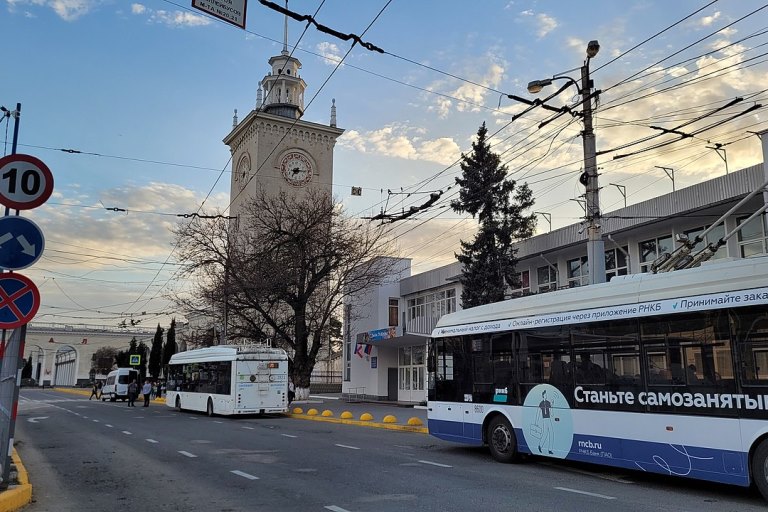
column 595, row 244
column 10, row 370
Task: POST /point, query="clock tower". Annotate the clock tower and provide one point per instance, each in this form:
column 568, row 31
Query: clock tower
column 273, row 148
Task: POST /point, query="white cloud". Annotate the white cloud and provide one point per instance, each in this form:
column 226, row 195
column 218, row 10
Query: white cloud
column 68, row 10
column 708, row 20
column 546, row 24
column 331, row 53
column 527, row 12
column 400, row 141
column 170, row 18
column 467, row 96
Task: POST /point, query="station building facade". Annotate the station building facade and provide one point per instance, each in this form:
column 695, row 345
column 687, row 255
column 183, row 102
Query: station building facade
column 385, row 347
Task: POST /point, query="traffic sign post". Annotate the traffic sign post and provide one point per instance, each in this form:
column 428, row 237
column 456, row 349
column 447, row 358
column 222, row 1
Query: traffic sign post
column 21, row 243
column 134, row 360
column 25, row 182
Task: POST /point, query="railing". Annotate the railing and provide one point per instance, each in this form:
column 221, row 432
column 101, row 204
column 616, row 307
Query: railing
column 323, row 377
column 355, row 394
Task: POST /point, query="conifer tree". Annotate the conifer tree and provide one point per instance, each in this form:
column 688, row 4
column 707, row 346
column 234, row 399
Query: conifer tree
column 170, row 343
column 498, row 204
column 156, row 353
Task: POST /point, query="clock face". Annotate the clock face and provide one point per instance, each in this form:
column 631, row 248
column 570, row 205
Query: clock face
column 296, row 169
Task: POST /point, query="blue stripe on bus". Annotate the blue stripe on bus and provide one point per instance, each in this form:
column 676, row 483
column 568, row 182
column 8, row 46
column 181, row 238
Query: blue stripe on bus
column 723, row 466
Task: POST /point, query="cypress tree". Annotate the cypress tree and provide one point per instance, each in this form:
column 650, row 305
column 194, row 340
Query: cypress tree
column 498, row 203
column 156, row 354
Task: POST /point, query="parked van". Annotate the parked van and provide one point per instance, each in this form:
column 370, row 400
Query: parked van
column 116, row 385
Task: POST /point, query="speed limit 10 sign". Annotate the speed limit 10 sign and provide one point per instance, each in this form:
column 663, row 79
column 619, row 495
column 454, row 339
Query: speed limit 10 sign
column 25, row 182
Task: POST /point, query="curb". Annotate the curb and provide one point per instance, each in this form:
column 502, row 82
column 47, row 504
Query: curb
column 17, row 496
column 388, row 426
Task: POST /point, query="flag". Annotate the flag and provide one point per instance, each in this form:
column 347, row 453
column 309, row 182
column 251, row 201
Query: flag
column 359, row 350
column 368, row 349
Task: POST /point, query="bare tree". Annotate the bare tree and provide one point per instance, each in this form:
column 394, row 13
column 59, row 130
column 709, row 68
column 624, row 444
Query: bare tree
column 281, row 272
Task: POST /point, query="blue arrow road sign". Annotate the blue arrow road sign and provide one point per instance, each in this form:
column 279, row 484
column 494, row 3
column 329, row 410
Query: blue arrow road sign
column 21, row 242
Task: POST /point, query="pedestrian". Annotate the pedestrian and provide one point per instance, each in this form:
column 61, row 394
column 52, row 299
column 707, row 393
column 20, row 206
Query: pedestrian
column 94, row 391
column 146, row 390
column 154, row 390
column 291, row 391
column 133, row 390
column 161, row 390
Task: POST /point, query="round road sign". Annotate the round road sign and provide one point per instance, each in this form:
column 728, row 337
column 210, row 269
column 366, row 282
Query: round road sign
column 19, row 300
column 25, row 182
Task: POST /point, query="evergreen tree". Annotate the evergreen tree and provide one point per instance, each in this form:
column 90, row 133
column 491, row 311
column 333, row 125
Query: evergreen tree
column 26, row 372
column 143, row 351
column 488, row 261
column 170, row 343
column 156, row 354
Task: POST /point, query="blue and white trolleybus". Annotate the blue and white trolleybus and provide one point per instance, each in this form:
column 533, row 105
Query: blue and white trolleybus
column 664, row 373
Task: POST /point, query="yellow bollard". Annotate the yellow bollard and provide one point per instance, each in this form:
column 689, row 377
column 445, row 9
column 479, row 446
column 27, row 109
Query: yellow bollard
column 366, row 417
column 390, row 419
column 415, row 422
column 298, row 410
column 312, row 412
column 346, row 415
column 327, row 413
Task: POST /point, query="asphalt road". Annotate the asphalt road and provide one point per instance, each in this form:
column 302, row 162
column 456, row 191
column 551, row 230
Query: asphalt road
column 94, row 456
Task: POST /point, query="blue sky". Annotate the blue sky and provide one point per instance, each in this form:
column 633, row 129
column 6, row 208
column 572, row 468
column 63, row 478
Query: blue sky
column 151, row 87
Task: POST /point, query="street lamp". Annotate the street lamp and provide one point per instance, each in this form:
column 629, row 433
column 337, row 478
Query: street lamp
column 595, row 244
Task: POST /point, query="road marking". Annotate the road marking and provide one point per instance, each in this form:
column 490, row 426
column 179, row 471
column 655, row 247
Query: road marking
column 218, row 422
column 334, row 508
column 435, row 464
column 289, row 435
column 108, row 425
column 345, row 446
column 85, row 417
column 187, row 454
column 95, row 421
column 249, row 428
column 244, row 475
column 594, row 494
column 127, row 433
column 151, row 441
column 37, row 418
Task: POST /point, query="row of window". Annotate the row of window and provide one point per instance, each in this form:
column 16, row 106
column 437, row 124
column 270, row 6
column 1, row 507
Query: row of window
column 721, row 352
column 753, row 239
column 210, row 377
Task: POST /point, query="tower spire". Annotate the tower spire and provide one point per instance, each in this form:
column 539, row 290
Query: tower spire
column 285, row 32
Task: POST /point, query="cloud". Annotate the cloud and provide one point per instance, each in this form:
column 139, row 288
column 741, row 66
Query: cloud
column 400, row 141
column 708, row 20
column 68, row 10
column 170, row 18
column 330, row 52
column 546, row 24
column 481, row 74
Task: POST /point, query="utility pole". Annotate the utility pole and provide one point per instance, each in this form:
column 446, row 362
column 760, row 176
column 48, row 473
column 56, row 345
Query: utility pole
column 595, row 244
column 670, row 174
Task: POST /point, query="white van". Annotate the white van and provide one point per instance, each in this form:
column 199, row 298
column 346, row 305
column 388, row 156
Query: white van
column 116, row 385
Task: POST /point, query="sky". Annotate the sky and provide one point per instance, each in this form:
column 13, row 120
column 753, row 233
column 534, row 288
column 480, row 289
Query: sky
column 146, row 91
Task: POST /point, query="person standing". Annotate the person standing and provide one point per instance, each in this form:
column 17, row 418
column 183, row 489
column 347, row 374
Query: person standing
column 146, row 390
column 133, row 390
column 94, row 391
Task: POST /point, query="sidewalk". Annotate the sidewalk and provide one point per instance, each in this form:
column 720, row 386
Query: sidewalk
column 329, row 407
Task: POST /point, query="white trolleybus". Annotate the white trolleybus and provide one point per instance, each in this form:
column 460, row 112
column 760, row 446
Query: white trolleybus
column 664, row 373
column 229, row 379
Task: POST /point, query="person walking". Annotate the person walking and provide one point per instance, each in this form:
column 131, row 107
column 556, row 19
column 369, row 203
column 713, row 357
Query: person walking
column 133, row 390
column 146, row 390
column 94, row 391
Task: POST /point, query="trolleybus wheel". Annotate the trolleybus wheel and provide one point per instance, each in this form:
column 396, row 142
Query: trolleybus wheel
column 209, row 408
column 178, row 404
column 760, row 468
column 501, row 440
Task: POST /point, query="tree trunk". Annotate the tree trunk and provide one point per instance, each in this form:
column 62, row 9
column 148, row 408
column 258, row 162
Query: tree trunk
column 302, row 393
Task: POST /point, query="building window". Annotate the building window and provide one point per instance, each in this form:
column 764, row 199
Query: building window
column 524, row 288
column 393, row 312
column 652, row 249
column 425, row 311
column 578, row 272
column 616, row 262
column 547, row 277
column 752, row 236
column 713, row 236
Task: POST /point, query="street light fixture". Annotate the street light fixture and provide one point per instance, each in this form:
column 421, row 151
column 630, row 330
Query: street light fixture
column 595, row 244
